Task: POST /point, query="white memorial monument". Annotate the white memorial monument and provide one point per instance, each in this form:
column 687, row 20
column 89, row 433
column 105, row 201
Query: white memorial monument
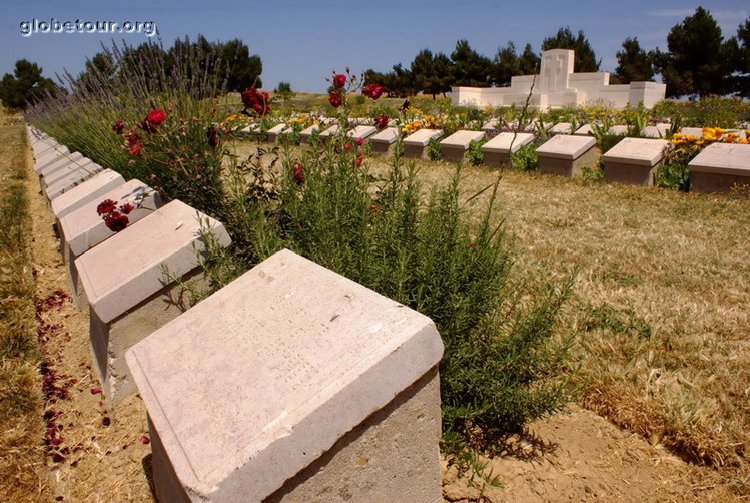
column 557, row 86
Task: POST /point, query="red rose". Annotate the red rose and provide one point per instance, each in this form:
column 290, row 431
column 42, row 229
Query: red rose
column 255, row 100
column 298, row 173
column 381, row 122
column 339, row 80
column 126, row 208
column 373, row 91
column 347, row 146
column 360, row 158
column 147, row 126
column 360, row 141
column 106, row 206
column 116, row 221
column 212, row 135
column 118, row 126
column 135, row 149
column 156, row 116
column 335, row 99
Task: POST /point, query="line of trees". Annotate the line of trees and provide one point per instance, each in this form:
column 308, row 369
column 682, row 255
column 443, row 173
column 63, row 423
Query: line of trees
column 698, row 61
column 229, row 64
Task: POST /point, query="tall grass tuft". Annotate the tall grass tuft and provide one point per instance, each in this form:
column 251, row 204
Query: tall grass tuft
column 175, row 156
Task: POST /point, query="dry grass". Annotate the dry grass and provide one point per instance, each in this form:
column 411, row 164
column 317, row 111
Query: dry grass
column 660, row 304
column 22, row 464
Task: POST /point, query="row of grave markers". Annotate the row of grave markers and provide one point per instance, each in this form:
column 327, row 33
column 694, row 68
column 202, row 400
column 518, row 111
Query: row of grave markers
column 290, row 384
column 720, row 167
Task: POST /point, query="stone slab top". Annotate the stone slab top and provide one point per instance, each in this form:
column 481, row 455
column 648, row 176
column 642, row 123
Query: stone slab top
column 85, row 166
column 584, row 130
column 45, row 167
column 618, row 129
column 251, row 385
column 126, row 269
column 723, row 158
column 361, row 131
column 43, row 149
column 503, row 142
column 388, row 135
column 98, row 184
column 637, row 151
column 309, row 130
column 83, row 228
column 694, row 131
column 566, row 146
column 278, row 128
column 422, row 137
column 658, row 131
column 462, row 139
column 330, row 131
column 562, row 127
column 491, row 124
column 71, row 180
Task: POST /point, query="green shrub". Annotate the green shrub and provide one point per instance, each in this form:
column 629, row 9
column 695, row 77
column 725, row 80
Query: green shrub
column 525, row 159
column 475, row 155
column 501, row 365
column 433, row 149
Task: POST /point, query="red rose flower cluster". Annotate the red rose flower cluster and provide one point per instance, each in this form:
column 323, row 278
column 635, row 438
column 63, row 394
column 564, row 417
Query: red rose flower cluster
column 298, row 173
column 381, row 122
column 373, row 91
column 118, row 126
column 153, row 120
column 134, row 143
column 150, row 124
column 114, row 218
column 336, row 98
column 212, row 135
column 339, row 80
column 255, row 100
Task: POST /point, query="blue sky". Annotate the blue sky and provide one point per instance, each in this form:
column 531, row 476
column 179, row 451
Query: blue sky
column 302, row 41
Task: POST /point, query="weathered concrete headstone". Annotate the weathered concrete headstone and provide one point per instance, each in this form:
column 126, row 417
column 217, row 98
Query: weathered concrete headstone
column 454, row 146
column 90, row 190
column 361, row 131
column 634, row 160
column 490, row 125
column 308, row 132
column 46, row 166
column 658, row 131
column 329, row 133
column 293, row 384
column 415, row 145
column 497, row 151
column 721, row 167
column 566, row 154
column 53, row 177
column 692, row 131
column 83, row 228
column 561, row 128
column 584, row 130
column 274, row 132
column 64, row 182
column 384, row 141
column 127, row 290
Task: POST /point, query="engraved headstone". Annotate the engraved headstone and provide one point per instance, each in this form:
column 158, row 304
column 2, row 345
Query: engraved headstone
column 293, row 384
